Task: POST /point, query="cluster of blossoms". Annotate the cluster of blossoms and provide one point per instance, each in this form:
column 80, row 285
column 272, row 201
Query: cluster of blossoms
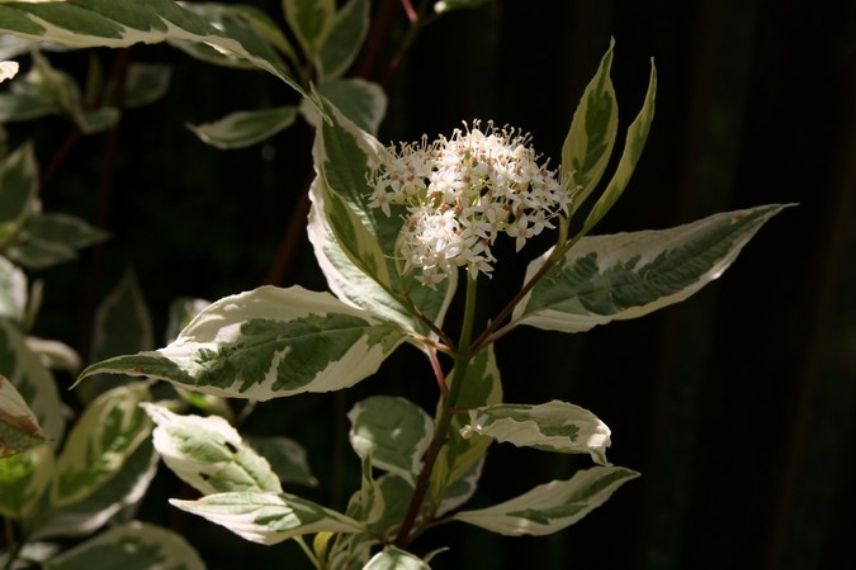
column 461, row 192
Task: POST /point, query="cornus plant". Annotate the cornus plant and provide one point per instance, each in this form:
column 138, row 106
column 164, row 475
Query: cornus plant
column 395, row 230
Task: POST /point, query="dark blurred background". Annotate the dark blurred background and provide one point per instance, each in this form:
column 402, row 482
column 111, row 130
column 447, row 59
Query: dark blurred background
column 737, row 406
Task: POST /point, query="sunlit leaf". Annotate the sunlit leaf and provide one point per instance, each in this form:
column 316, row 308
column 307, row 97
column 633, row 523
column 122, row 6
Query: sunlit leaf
column 392, row 558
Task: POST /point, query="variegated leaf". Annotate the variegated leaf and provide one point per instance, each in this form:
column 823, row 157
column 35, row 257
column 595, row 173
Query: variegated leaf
column 268, row 518
column 32, row 380
column 245, row 128
column 209, row 454
column 55, row 355
column 591, row 137
column 361, row 101
column 23, row 480
column 310, row 21
column 344, row 39
column 637, row 135
column 8, row 70
column 458, row 467
column 121, row 23
column 134, row 545
column 13, row 292
column 19, row 182
column 19, row 428
column 108, row 432
column 146, row 83
column 554, row 426
column 392, row 558
column 393, row 433
column 123, row 325
column 61, row 231
column 124, row 491
column 287, row 458
column 268, row 343
column 25, row 101
column 551, row 507
column 628, row 275
column 355, row 244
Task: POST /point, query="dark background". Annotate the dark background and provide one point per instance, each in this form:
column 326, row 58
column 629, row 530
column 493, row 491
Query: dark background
column 737, row 405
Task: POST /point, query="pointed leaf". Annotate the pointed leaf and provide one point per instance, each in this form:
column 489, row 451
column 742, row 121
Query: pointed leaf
column 62, row 229
column 245, row 128
column 309, row 20
column 344, row 40
column 33, row 381
column 13, row 292
column 637, row 134
column 209, row 454
column 19, row 183
column 23, row 480
column 393, row 432
column 554, row 426
column 136, row 545
column 124, row 491
column 123, row 325
column 551, row 507
column 287, row 458
column 55, row 355
column 356, row 244
column 268, row 343
column 361, row 101
column 268, row 518
column 19, row 428
column 146, row 83
column 392, row 558
column 108, row 432
column 628, row 275
column 591, row 137
column 36, row 255
column 121, row 23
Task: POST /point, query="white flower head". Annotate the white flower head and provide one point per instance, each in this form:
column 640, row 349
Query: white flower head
column 461, row 192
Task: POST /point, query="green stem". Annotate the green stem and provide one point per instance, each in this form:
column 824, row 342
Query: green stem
column 447, row 412
column 308, row 552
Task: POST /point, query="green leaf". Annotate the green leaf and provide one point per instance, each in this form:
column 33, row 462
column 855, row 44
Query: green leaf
column 393, row 433
column 123, row 325
column 344, row 40
column 97, row 121
column 19, row 183
column 634, row 142
column 146, row 83
column 36, row 255
column 124, row 491
column 309, row 20
column 551, row 507
column 268, row 343
column 33, row 381
column 23, row 480
column 209, row 454
column 245, row 128
column 133, row 546
column 628, row 275
column 554, row 426
column 265, row 27
column 108, row 432
column 356, row 245
column 287, row 458
column 19, row 428
column 25, row 101
column 458, row 467
column 591, row 137
column 62, row 229
column 361, row 101
column 122, row 23
column 392, row 558
column 268, row 518
column 13, row 292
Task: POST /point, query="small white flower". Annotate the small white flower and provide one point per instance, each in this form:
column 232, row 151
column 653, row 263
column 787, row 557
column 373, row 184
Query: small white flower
column 461, row 193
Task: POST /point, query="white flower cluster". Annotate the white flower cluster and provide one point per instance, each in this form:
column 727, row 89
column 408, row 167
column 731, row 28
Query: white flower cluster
column 461, row 193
